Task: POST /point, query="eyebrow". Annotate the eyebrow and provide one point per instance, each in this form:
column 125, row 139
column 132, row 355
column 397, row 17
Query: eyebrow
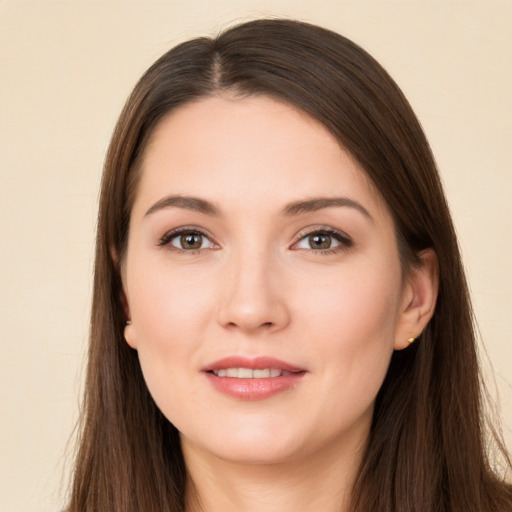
column 290, row 210
column 186, row 202
column 319, row 203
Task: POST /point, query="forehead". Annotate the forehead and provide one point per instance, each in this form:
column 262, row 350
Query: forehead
column 253, row 152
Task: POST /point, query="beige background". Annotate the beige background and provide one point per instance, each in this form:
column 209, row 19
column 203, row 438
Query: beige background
column 65, row 71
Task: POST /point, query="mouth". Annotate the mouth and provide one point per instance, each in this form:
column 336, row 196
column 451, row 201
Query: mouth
column 253, row 379
column 249, row 373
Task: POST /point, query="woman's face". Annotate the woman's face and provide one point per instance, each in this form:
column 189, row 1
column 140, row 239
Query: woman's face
column 263, row 282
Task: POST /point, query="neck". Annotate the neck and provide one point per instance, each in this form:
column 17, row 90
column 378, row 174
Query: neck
column 320, row 482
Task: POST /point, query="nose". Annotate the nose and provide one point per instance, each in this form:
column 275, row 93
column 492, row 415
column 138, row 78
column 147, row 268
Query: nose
column 253, row 295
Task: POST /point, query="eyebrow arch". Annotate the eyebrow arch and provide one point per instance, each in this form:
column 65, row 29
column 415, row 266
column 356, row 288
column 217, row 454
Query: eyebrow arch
column 319, row 203
column 185, row 202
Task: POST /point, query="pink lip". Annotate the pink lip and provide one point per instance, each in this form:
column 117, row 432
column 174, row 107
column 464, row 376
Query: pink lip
column 253, row 389
column 257, row 363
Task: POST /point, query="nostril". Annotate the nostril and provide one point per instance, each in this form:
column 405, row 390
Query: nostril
column 253, row 312
column 265, row 324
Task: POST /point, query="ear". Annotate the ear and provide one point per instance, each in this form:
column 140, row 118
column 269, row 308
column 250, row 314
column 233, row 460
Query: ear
column 129, row 334
column 129, row 329
column 418, row 299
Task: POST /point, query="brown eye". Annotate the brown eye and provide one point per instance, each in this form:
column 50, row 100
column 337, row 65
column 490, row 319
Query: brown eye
column 320, row 241
column 324, row 241
column 191, row 241
column 186, row 240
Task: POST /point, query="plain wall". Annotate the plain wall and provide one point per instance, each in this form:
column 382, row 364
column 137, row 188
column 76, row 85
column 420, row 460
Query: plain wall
column 65, row 71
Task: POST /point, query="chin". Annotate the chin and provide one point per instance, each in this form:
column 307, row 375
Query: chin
column 247, row 446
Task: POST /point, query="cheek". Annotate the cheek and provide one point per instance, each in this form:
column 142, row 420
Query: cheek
column 352, row 321
column 170, row 312
column 168, row 306
column 357, row 305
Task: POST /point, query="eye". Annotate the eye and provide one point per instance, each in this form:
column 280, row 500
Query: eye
column 324, row 240
column 187, row 240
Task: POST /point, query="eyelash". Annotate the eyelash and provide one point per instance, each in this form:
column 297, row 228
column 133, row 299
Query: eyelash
column 166, row 240
column 344, row 241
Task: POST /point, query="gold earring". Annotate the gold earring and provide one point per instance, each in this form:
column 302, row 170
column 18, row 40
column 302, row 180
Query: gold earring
column 411, row 340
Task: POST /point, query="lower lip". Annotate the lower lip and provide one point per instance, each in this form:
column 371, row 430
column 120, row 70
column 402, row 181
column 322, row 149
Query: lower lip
column 254, row 389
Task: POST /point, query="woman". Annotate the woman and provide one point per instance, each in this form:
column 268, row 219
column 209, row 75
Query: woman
column 280, row 317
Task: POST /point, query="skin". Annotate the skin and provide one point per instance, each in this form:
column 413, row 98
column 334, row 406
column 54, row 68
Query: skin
column 259, row 287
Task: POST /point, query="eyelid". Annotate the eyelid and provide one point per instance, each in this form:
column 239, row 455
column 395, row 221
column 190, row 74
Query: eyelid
column 165, row 240
column 345, row 241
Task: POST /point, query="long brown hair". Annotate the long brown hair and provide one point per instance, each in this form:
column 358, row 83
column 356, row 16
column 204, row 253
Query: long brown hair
column 427, row 449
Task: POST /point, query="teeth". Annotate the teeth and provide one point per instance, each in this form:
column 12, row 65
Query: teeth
column 261, row 374
column 247, row 373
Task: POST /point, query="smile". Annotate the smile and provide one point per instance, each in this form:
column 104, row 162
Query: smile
column 250, row 379
column 248, row 373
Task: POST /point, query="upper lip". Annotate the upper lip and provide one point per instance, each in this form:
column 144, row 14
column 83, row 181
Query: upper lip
column 254, row 363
